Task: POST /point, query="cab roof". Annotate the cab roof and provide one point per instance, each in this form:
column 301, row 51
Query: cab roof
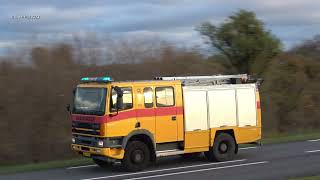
column 129, row 83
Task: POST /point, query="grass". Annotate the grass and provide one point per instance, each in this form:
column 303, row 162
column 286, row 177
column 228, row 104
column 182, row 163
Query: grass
column 270, row 139
column 44, row 165
column 307, row 178
column 285, row 138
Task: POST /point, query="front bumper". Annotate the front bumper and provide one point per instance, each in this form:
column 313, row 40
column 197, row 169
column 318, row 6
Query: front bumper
column 92, row 141
column 95, row 152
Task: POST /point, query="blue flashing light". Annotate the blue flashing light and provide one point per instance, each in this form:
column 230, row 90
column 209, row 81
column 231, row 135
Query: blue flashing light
column 85, row 79
column 96, row 79
column 106, row 79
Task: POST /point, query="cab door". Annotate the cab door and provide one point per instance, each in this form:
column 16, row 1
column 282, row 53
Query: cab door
column 146, row 113
column 166, row 114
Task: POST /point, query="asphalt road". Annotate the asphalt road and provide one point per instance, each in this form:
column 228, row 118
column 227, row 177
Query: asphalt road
column 274, row 161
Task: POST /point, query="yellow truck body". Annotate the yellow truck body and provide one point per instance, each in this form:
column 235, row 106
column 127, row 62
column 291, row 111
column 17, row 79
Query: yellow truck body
column 163, row 117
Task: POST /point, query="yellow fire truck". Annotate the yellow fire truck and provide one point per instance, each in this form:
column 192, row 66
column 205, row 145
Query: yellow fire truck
column 135, row 122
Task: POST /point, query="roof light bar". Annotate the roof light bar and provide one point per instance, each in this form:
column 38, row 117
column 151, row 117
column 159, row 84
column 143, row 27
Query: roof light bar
column 96, row 79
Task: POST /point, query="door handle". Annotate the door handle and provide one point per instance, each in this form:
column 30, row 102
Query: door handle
column 173, row 118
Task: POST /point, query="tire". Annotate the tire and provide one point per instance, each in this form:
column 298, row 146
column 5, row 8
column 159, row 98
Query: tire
column 136, row 157
column 101, row 163
column 191, row 155
column 224, row 148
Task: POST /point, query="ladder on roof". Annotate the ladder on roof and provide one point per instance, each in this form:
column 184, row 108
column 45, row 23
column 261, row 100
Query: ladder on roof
column 208, row 80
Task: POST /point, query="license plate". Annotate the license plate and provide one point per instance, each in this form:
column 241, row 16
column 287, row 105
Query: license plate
column 86, row 154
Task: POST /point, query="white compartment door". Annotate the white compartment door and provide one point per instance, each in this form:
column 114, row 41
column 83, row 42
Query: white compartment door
column 195, row 110
column 222, row 108
column 246, row 103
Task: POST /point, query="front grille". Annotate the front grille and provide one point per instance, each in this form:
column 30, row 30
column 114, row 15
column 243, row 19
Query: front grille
column 83, row 125
column 86, row 142
column 86, row 128
column 86, row 132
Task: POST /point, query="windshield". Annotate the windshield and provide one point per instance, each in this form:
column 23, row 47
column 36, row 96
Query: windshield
column 90, row 101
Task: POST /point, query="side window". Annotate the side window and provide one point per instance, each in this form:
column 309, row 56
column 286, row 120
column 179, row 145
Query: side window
column 148, row 97
column 127, row 99
column 164, row 96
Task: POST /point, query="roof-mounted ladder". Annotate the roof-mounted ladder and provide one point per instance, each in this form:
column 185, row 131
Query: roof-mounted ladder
column 208, row 80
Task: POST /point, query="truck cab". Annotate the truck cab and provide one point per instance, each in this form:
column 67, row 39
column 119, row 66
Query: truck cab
column 135, row 122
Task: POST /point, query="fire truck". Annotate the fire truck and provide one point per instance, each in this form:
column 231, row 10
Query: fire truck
column 136, row 122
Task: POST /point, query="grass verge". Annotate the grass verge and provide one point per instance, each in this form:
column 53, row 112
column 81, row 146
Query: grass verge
column 44, row 165
column 285, row 138
column 307, row 178
column 269, row 139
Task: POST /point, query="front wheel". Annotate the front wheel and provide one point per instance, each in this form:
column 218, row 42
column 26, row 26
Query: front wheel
column 136, row 157
column 223, row 149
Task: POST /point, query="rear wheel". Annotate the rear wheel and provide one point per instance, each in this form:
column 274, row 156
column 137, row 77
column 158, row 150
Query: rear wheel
column 223, row 149
column 101, row 163
column 136, row 157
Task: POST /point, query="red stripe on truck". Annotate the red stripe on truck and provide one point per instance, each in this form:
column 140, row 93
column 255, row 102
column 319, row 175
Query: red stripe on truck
column 163, row 111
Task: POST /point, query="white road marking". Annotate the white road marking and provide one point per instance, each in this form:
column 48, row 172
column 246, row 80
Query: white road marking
column 76, row 167
column 314, row 140
column 199, row 170
column 168, row 169
column 248, row 148
column 312, row 151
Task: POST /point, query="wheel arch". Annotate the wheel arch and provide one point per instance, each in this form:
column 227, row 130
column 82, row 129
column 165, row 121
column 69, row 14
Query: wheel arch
column 141, row 135
column 230, row 132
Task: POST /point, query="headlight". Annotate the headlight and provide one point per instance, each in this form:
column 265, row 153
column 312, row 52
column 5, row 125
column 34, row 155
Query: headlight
column 100, row 143
column 73, row 140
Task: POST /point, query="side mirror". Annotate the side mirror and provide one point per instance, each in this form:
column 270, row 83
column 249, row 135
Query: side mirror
column 68, row 108
column 119, row 106
column 119, row 102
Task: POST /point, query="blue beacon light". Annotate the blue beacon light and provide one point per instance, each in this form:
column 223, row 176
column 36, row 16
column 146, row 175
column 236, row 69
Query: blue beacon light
column 85, row 79
column 106, row 78
column 96, row 79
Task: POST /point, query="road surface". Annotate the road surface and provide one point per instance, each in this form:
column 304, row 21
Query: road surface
column 273, row 161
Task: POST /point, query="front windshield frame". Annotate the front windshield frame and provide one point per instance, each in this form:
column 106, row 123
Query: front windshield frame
column 99, row 111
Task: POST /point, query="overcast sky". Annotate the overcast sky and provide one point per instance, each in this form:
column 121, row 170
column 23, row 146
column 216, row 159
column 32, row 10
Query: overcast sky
column 174, row 20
